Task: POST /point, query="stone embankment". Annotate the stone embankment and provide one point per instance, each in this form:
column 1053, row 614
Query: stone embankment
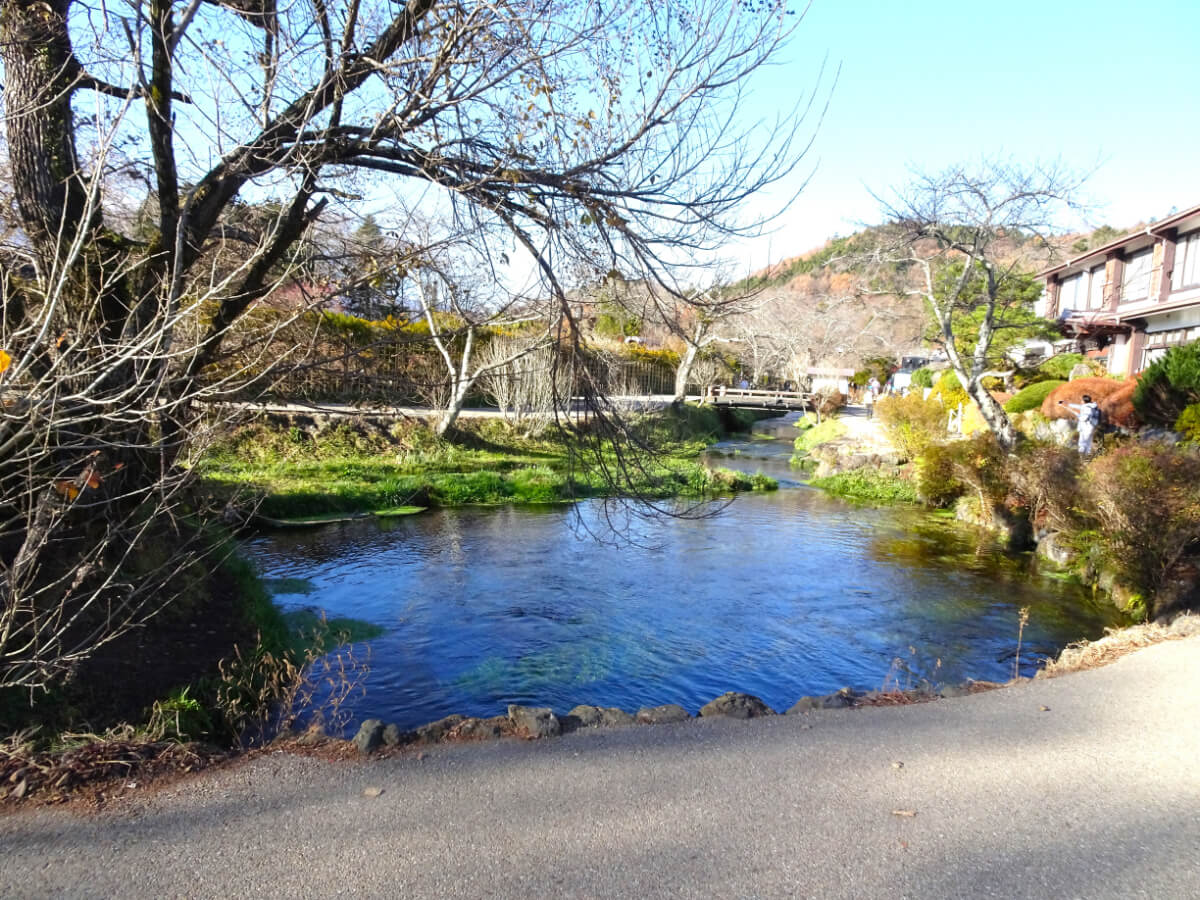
column 532, row 723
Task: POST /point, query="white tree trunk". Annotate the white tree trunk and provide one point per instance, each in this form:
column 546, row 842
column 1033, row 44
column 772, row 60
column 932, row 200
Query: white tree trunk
column 684, row 372
column 458, row 397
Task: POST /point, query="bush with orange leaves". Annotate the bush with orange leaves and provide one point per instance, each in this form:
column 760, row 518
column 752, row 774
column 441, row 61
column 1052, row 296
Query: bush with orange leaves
column 1072, row 392
column 1117, row 408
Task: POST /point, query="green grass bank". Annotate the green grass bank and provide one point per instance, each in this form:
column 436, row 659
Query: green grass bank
column 291, row 471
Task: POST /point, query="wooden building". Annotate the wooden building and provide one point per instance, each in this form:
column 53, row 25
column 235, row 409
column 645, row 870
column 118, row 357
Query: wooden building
column 1130, row 300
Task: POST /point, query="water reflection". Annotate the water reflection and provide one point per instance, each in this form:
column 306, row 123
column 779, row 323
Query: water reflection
column 783, row 595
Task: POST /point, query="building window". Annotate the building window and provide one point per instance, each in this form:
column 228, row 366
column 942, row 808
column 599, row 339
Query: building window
column 1096, row 290
column 1072, row 294
column 1158, row 343
column 1136, row 283
column 1187, row 262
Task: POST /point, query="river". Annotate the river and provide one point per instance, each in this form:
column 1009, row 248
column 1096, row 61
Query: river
column 780, row 595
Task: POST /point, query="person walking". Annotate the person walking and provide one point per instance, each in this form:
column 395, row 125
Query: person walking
column 869, row 402
column 1087, row 421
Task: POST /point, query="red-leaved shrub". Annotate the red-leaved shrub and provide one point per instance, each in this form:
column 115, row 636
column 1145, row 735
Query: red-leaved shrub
column 1073, row 391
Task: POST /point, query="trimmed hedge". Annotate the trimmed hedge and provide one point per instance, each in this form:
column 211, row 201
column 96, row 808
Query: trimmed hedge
column 1030, row 397
column 1073, row 391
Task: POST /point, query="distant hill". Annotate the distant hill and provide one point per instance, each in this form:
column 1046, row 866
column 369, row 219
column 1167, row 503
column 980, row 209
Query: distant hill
column 829, row 281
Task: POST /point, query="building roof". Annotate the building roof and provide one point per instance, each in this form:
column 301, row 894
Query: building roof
column 1155, row 230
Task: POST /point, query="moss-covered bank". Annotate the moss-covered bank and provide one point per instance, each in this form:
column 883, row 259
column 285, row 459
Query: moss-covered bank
column 293, row 467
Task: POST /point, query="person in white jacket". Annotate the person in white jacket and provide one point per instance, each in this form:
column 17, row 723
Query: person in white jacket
column 1088, row 420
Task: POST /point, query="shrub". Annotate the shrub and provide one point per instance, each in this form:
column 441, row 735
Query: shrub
column 1045, row 477
column 1146, row 501
column 1073, row 391
column 829, row 401
column 923, row 378
column 1188, row 423
column 1117, row 407
column 761, row 482
column 977, row 465
column 1169, row 385
column 868, row 485
column 724, row 481
column 1030, row 397
column 949, row 392
column 936, row 483
column 1059, row 367
column 993, row 383
column 911, row 423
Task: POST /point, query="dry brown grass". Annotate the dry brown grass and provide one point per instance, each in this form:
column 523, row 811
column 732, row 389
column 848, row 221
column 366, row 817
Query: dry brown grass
column 1118, row 642
column 100, row 768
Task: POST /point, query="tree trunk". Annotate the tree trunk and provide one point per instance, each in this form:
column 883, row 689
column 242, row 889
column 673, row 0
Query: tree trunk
column 684, row 372
column 458, row 397
column 994, row 414
column 40, row 71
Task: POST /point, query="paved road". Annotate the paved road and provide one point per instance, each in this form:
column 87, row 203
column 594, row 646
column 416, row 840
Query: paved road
column 1096, row 796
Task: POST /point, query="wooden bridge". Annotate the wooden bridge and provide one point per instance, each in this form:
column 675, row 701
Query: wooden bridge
column 747, row 398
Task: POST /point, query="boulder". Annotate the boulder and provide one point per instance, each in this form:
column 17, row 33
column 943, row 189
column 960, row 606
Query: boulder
column 1159, row 436
column 370, row 736
column 955, row 690
column 736, row 706
column 657, row 715
column 437, row 731
column 601, row 716
column 533, row 721
column 804, row 705
column 1050, row 547
column 846, row 697
column 314, row 734
column 473, row 729
column 393, row 736
column 852, row 462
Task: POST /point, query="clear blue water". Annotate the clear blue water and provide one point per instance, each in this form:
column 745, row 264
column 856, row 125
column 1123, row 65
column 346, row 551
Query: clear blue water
column 782, row 595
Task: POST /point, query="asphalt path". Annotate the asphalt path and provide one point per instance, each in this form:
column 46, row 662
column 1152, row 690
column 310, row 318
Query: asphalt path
column 1087, row 785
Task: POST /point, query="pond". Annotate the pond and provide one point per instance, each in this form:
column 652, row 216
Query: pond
column 781, row 595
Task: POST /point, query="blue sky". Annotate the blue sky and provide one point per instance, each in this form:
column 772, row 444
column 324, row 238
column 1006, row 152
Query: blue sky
column 1105, row 86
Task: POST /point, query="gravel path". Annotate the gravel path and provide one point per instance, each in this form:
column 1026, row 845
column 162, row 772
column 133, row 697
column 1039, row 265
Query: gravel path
column 1086, row 785
column 868, row 432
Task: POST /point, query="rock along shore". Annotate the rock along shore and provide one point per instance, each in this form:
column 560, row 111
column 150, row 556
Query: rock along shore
column 534, row 723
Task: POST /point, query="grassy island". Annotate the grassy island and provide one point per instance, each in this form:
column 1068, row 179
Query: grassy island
column 356, row 467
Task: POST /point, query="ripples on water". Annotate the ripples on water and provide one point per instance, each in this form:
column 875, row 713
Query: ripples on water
column 782, row 595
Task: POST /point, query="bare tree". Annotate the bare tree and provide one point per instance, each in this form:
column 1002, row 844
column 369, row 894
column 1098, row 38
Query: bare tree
column 522, row 375
column 968, row 233
column 594, row 134
column 701, row 322
column 460, row 313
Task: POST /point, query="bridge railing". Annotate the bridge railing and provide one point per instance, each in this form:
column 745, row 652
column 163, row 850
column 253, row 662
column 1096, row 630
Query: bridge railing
column 719, row 395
